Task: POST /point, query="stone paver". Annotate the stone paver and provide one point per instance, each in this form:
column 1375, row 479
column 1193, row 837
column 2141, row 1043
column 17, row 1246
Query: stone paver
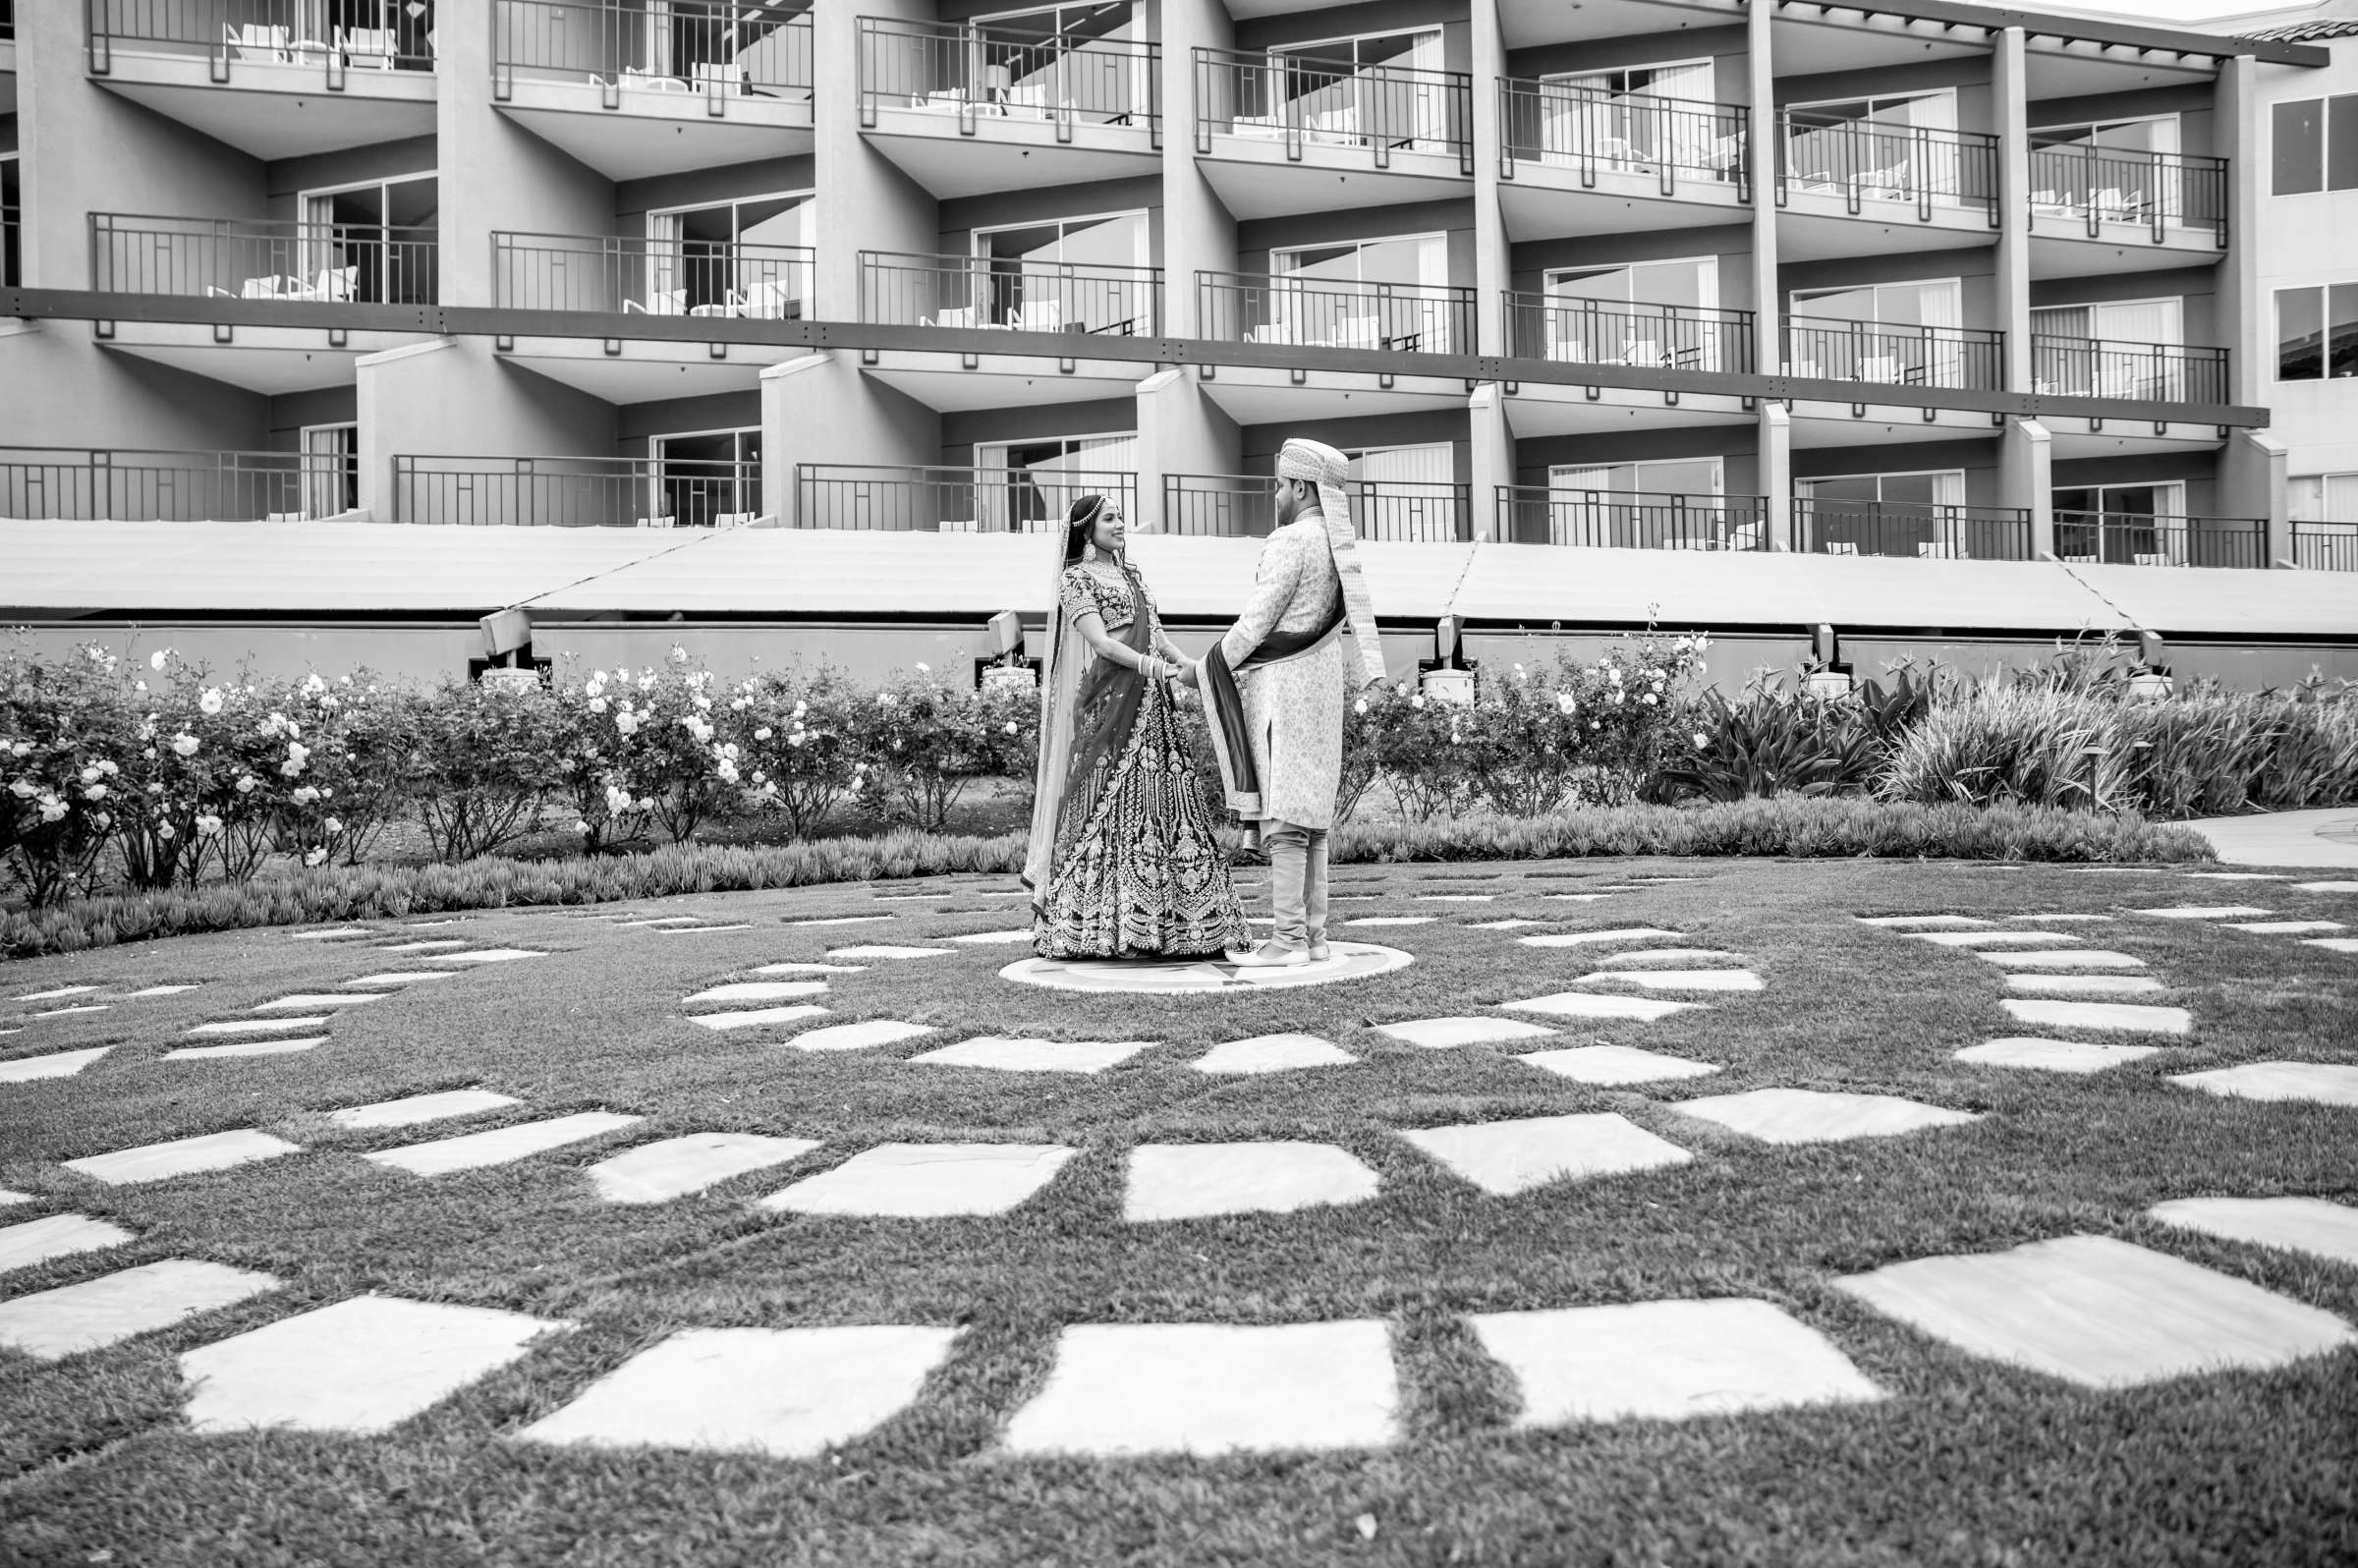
column 887, row 950
column 360, row 1366
column 9, row 1198
column 1443, row 1034
column 1816, row 1116
column 413, row 1109
column 1576, row 898
column 2286, row 927
column 436, row 944
column 1457, row 898
column 262, row 1025
column 843, row 920
column 756, row 1017
column 403, row 976
column 994, row 938
column 1200, row 1388
column 183, row 1156
column 927, row 1181
column 501, row 1144
column 866, row 1034
column 56, row 1064
column 2125, row 1016
column 2334, row 944
column 36, row 1240
column 1513, row 922
column 1680, row 980
column 1666, row 1360
column 489, row 955
column 700, row 931
column 1600, row 1004
column 2325, row 1082
column 2086, row 985
column 808, row 969
column 2327, row 887
column 787, row 1393
column 56, row 991
column 2235, row 876
column 1626, row 934
column 1669, row 955
column 1008, row 1055
column 1507, row 1158
column 2052, row 1055
column 1190, row 1180
column 1272, row 1053
column 674, row 1168
column 2204, row 911
column 1977, row 940
column 2309, row 1225
column 760, row 991
column 275, row 1046
column 52, row 1324
column 308, row 1002
column 1391, row 920
column 334, row 933
column 2064, row 958
column 1921, row 923
column 1615, row 1064
column 2059, row 916
column 69, row 1012
column 2098, row 1312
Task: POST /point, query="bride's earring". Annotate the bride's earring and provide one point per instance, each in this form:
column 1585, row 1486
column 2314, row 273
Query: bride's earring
column 1089, row 552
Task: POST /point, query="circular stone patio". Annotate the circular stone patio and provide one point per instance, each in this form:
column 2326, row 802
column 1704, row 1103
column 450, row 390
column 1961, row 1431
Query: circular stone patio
column 1352, row 961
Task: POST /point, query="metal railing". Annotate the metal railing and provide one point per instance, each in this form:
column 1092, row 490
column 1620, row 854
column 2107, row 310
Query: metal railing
column 2097, row 185
column 2325, row 546
column 914, row 498
column 229, row 33
column 631, row 276
column 12, row 249
column 1925, row 530
column 1821, row 349
column 1309, row 312
column 83, row 484
column 1009, row 293
column 1673, row 337
column 1876, row 161
column 1219, row 505
column 1304, row 102
column 575, row 492
column 717, row 51
column 1234, row 505
column 1631, row 520
column 2144, row 538
column 1675, row 140
column 975, row 75
column 241, row 259
column 2161, row 372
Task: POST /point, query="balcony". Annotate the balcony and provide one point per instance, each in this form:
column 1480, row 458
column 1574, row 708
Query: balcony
column 1821, row 349
column 629, row 275
column 81, row 485
column 1631, row 520
column 1846, row 182
column 2325, row 546
column 575, row 492
column 1008, row 295
column 1304, row 310
column 2144, row 209
column 1668, row 337
column 640, row 92
column 1578, row 161
column 948, row 500
column 274, row 79
column 966, row 110
column 1926, row 531
column 1243, row 505
column 2153, row 373
column 2147, row 539
column 1280, row 134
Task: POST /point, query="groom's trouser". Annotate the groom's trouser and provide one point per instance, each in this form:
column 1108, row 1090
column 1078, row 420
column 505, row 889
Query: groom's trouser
column 1297, row 881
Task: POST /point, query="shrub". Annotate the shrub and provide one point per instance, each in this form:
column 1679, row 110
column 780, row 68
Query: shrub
column 801, row 741
column 1997, row 742
column 66, row 732
column 487, row 754
column 923, row 745
column 1781, row 740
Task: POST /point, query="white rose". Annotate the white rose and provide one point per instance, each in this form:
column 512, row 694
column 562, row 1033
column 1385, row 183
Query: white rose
column 1360, row 707
column 598, row 705
column 208, row 824
column 925, row 669
column 317, row 857
column 52, row 810
column 1011, row 726
column 247, row 784
column 1418, row 700
column 155, row 660
column 104, row 767
column 333, row 824
column 21, row 790
column 762, row 734
column 1701, row 740
column 97, row 792
column 163, row 830
column 185, row 744
column 626, row 722
column 1565, row 704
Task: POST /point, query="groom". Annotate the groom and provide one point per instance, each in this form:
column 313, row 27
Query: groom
column 1274, row 687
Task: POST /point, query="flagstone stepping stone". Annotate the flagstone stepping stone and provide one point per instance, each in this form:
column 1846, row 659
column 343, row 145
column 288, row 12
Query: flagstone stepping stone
column 1513, row 922
column 2204, row 911
column 1191, row 1181
column 785, row 1393
column 1982, row 940
column 2235, row 877
column 411, row 1109
column 56, row 1064
column 261, row 1026
column 2334, row 944
column 697, row 930
column 274, row 1046
column 756, row 1017
column 1600, row 1004
column 1205, row 976
column 1818, row 1116
column 1577, row 898
column 2327, row 887
column 489, row 955
column 1666, row 1360
column 307, row 1001
column 1204, row 1389
column 55, row 993
column 2060, row 916
column 69, row 1012
column 843, row 920
column 808, row 969
column 1507, row 1158
column 501, row 1144
column 664, row 920
column 674, row 1168
column 2309, row 1225
column 183, row 1156
column 1272, row 1053
column 360, row 1366
column 2323, row 1081
column 2097, row 1311
column 866, row 1034
column 439, row 945
column 1921, row 923
column 2127, row 1015
column 2052, row 1055
column 1391, row 920
column 1614, row 1064
column 334, row 933
column 405, row 977
column 995, row 939
column 36, row 1240
column 1457, row 898
column 1008, row 1055
column 759, row 992
column 1669, row 955
column 2062, row 958
column 1444, row 1033
column 888, row 951
column 8, row 1199
column 2086, row 985
column 52, row 1324
column 1627, row 933
column 927, row 1181
column 1680, row 980
column 2287, row 927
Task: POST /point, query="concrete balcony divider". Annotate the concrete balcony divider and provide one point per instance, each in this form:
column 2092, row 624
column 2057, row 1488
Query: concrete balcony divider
column 247, row 259
column 82, row 484
column 631, row 276
column 1925, row 531
column 2138, row 539
column 2160, row 372
column 716, row 49
column 1306, row 311
column 575, row 491
column 972, row 75
column 1673, row 140
column 1821, row 349
column 1631, row 520
column 1301, row 102
column 897, row 289
column 2096, row 185
column 921, row 499
column 1874, row 166
column 1581, row 331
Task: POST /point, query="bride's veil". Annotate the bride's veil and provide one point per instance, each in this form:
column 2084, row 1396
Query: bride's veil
column 1059, row 683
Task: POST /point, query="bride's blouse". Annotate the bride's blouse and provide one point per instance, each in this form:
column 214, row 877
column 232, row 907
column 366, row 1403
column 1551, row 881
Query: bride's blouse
column 1103, row 587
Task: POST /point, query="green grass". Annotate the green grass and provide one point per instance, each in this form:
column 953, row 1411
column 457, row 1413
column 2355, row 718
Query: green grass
column 1968, row 1462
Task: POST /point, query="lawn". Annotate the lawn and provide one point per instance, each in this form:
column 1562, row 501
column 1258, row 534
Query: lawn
column 1966, row 1460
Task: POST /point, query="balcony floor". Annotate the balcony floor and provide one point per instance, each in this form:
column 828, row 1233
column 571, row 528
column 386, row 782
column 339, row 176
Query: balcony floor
column 1548, row 202
column 1527, row 24
column 1538, row 409
column 649, row 133
column 646, row 371
column 1817, row 425
column 1815, row 227
column 1253, row 395
column 2070, row 437
column 275, row 111
column 942, row 384
column 1257, row 179
column 2060, row 248
column 271, row 360
column 1007, row 154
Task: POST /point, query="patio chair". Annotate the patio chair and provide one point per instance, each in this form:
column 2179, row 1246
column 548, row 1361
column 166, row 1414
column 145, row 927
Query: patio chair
column 1939, row 551
column 1038, row 315
column 270, row 286
column 713, row 76
column 1642, row 352
column 367, row 48
column 664, row 521
column 660, row 301
column 2154, row 558
column 773, row 299
column 1356, row 332
column 255, row 41
column 1334, row 125
column 336, row 282
column 964, row 316
column 1841, row 547
column 652, row 81
column 730, row 303
column 1880, row 368
column 2080, row 560
column 1258, row 127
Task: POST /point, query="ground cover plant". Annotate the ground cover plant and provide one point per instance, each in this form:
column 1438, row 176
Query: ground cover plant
column 1964, row 1461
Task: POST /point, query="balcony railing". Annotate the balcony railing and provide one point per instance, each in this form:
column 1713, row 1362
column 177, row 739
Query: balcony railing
column 1924, row 530
column 1874, row 165
column 1307, row 311
column 78, row 484
column 2158, row 373
column 397, row 37
column 2162, row 190
column 238, row 258
column 1234, row 505
column 1821, row 349
column 636, row 276
column 1009, row 294
column 714, row 49
column 1303, row 103
column 975, row 75
column 2144, row 538
column 1631, row 520
column 2325, row 546
column 1218, row 505
column 914, row 498
column 1675, row 140
column 574, row 492
column 1672, row 337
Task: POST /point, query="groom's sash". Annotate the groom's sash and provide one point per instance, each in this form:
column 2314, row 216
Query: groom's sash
column 1225, row 706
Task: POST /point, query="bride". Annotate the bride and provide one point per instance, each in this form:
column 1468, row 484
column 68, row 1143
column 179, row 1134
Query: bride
column 1123, row 860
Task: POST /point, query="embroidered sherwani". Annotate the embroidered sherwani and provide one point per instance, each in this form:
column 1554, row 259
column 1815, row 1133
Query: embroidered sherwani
column 1293, row 707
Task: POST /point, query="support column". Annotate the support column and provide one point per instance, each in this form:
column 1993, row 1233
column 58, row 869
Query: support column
column 2026, row 479
column 1493, row 268
column 1492, row 458
column 457, row 397
column 1776, row 462
column 1761, row 143
column 1198, row 234
column 2252, row 483
column 865, row 202
column 494, row 174
column 820, row 409
column 2010, row 94
column 2243, row 319
column 1180, row 431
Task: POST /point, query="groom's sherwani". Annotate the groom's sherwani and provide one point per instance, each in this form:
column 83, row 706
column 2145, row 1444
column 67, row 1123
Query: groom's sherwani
column 1293, row 707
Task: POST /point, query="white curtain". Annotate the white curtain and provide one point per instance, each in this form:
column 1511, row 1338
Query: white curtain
column 2139, row 321
column 665, row 255
column 1948, row 488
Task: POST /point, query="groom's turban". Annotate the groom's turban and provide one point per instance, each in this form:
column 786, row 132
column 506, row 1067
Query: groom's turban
column 1320, row 465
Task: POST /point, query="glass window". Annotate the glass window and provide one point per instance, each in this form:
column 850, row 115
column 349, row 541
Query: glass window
column 2298, row 144
column 2300, row 334
column 2342, row 143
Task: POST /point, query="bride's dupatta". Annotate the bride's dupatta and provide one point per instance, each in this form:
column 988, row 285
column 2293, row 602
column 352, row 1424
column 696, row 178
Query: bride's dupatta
column 1084, row 720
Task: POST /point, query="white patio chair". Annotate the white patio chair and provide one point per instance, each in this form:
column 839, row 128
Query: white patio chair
column 658, row 522
column 366, row 48
column 1939, row 551
column 2080, row 560
column 713, row 76
column 730, row 304
column 1040, row 315
column 733, row 520
column 654, row 81
column 1641, row 350
column 255, row 41
column 1334, row 125
column 2155, row 558
column 773, row 299
column 336, row 282
column 965, row 315
column 1841, row 547
column 1357, row 332
column 1880, row 368
column 1258, row 127
column 660, row 301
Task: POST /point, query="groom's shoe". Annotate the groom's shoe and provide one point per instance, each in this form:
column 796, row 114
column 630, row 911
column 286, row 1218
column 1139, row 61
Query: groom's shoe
column 1272, row 954
column 1320, row 952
